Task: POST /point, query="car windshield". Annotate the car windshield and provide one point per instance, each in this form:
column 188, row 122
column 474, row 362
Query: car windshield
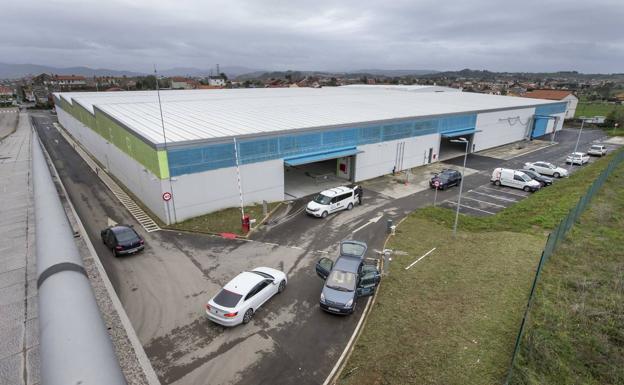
column 596, row 147
column 125, row 235
column 525, row 177
column 341, row 280
column 352, row 249
column 322, row 199
column 227, row 298
column 550, row 165
column 531, row 173
column 262, row 274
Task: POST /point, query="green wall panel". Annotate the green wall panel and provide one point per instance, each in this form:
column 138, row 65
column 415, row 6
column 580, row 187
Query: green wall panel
column 123, row 139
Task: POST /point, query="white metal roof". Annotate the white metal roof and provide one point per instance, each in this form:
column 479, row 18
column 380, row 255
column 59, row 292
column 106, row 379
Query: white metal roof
column 209, row 115
column 411, row 88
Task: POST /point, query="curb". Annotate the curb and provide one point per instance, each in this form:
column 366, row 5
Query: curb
column 140, row 354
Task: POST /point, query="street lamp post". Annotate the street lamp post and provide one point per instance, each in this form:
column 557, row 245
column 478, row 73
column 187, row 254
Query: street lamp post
column 461, row 184
column 579, row 135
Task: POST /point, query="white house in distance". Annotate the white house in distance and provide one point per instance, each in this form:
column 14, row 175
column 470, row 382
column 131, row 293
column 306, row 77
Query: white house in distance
column 559, row 95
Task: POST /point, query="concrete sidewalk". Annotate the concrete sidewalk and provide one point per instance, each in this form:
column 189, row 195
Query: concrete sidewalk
column 19, row 333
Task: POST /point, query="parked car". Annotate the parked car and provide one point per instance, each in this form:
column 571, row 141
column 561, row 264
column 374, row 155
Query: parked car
column 579, row 158
column 515, row 179
column 543, row 180
column 546, row 168
column 240, row 298
column 122, row 239
column 332, row 200
column 346, row 279
column 446, row 178
column 597, row 150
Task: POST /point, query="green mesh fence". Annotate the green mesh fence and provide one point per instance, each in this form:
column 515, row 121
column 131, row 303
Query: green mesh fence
column 555, row 238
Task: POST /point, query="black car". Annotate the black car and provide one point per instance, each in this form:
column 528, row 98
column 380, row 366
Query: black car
column 542, row 179
column 122, row 239
column 446, row 178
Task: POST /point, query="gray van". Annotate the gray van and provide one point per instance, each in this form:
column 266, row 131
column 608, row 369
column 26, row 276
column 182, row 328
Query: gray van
column 346, row 279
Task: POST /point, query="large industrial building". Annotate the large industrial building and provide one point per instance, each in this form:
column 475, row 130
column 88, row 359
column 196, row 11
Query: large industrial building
column 284, row 140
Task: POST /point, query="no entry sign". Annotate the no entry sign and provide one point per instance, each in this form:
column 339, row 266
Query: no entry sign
column 436, row 183
column 166, row 196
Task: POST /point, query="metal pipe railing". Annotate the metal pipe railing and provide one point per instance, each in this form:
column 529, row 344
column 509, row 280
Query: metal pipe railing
column 74, row 345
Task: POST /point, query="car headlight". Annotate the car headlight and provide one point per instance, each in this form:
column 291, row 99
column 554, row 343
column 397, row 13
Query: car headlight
column 350, row 303
column 322, row 297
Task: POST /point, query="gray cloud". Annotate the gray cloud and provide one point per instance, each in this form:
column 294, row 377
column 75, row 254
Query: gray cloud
column 321, row 35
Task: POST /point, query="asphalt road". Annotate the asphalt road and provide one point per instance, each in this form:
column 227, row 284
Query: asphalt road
column 290, row 340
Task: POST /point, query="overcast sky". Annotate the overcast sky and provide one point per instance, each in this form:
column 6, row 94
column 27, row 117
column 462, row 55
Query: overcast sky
column 503, row 35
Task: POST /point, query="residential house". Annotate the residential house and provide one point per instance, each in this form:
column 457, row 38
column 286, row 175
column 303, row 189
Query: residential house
column 561, row 95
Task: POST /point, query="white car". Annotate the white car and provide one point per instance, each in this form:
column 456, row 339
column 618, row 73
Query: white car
column 515, row 179
column 579, row 158
column 332, row 200
column 597, row 150
column 237, row 302
column 546, row 168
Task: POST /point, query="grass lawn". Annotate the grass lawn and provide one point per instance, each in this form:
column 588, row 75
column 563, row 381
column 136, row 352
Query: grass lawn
column 593, row 109
column 454, row 316
column 223, row 221
column 575, row 333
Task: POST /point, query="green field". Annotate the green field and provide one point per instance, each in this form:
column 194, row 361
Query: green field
column 596, row 109
column 575, row 333
column 454, row 316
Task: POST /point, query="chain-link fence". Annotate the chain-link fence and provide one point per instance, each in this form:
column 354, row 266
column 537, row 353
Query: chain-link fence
column 555, row 238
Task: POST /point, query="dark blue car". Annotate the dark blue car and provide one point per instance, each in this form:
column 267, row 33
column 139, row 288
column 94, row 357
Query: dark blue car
column 346, row 279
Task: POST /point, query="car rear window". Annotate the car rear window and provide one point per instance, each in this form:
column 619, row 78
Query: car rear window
column 352, row 249
column 227, row 298
column 124, row 235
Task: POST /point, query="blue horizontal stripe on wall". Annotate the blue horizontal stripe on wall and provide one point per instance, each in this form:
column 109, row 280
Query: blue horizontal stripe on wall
column 550, row 109
column 188, row 160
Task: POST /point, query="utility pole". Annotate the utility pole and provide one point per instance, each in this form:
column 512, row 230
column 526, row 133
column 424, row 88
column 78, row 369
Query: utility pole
column 162, row 122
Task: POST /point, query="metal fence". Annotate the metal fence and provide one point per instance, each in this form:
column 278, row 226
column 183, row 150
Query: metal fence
column 555, row 238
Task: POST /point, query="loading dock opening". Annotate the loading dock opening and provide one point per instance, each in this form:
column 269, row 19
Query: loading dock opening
column 449, row 150
column 309, row 178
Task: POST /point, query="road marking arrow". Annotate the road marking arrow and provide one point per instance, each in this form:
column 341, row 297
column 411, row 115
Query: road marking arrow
column 111, row 223
column 373, row 220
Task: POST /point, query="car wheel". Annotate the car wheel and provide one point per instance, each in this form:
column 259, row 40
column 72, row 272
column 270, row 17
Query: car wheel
column 497, row 183
column 532, row 169
column 556, row 175
column 281, row 287
column 350, row 206
column 324, row 215
column 247, row 317
column 527, row 188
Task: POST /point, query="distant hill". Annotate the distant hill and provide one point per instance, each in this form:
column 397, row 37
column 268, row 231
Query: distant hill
column 15, row 71
column 394, row 73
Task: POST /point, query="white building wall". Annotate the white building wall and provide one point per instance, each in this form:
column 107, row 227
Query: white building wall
column 380, row 158
column 571, row 108
column 559, row 122
column 502, row 127
column 208, row 191
column 136, row 178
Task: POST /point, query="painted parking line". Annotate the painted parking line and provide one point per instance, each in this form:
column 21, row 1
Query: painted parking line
column 470, row 207
column 494, row 196
column 484, row 202
column 504, row 191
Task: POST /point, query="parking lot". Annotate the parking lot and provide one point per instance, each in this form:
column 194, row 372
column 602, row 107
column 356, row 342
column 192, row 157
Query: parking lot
column 164, row 289
column 488, row 199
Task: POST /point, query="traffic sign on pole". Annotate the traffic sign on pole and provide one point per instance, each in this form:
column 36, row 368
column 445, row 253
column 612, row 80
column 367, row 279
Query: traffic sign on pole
column 436, row 184
column 166, row 196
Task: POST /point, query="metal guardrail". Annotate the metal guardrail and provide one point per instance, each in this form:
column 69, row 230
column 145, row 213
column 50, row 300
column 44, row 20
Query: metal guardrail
column 554, row 239
column 75, row 347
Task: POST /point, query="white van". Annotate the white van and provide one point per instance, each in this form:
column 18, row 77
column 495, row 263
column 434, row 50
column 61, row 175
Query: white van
column 332, row 200
column 515, row 179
